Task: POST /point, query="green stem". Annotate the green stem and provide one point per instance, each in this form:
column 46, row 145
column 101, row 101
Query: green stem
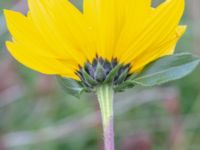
column 105, row 95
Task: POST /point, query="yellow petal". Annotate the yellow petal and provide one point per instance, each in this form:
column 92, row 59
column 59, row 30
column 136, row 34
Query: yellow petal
column 29, row 45
column 136, row 15
column 159, row 26
column 107, row 21
column 161, row 50
column 41, row 64
column 71, row 31
column 23, row 32
column 55, row 37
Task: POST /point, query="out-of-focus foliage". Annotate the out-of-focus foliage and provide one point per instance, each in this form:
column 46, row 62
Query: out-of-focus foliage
column 36, row 114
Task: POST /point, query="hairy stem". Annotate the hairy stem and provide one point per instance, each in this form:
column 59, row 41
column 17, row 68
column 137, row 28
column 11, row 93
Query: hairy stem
column 105, row 97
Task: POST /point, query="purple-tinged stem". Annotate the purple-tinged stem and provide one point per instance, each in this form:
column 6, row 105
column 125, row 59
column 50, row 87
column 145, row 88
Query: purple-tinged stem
column 105, row 95
column 109, row 136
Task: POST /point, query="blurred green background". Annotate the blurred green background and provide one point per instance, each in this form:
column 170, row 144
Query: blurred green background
column 36, row 114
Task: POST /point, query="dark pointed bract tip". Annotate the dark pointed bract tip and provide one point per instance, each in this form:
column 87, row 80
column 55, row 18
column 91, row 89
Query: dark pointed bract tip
column 103, row 71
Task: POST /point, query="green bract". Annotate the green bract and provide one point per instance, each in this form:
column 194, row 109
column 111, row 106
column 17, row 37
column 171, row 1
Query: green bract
column 163, row 70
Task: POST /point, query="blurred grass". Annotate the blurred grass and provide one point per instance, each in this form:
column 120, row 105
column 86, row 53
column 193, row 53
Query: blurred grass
column 41, row 103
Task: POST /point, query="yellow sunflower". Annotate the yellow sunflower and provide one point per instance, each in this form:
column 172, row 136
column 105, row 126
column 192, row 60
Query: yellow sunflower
column 104, row 48
column 56, row 38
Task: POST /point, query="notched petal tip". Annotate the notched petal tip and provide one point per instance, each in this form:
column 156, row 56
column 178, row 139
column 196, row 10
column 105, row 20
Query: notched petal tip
column 7, row 12
column 181, row 30
column 10, row 13
column 9, row 45
column 12, row 16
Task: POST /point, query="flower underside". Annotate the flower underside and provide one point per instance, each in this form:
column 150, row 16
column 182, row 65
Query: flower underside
column 102, row 71
column 54, row 37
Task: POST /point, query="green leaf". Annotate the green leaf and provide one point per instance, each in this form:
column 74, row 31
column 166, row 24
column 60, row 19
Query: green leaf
column 71, row 86
column 167, row 69
column 123, row 86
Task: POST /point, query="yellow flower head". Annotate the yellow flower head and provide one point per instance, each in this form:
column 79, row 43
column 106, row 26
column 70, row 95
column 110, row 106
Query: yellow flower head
column 56, row 38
